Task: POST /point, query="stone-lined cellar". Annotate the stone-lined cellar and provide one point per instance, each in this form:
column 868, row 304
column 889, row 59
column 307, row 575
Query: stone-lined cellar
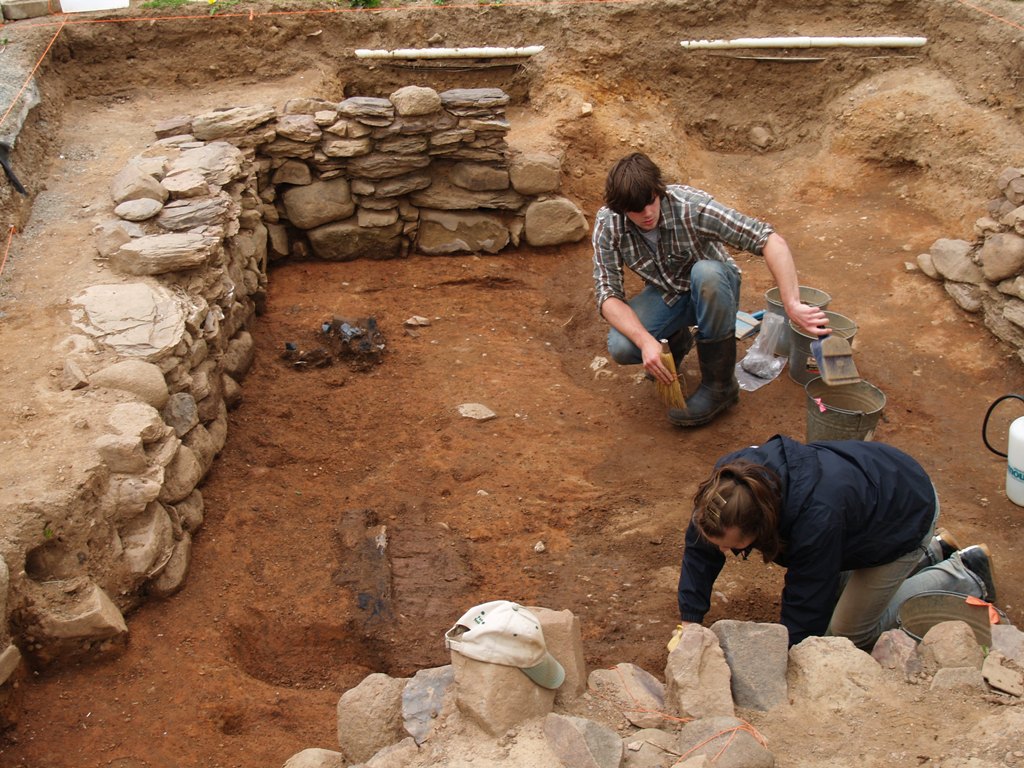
column 162, row 353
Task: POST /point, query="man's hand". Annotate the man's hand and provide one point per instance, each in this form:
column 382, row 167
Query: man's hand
column 651, row 352
column 779, row 259
column 624, row 320
column 811, row 320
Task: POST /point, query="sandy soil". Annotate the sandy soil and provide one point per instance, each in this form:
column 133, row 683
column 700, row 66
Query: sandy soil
column 246, row 664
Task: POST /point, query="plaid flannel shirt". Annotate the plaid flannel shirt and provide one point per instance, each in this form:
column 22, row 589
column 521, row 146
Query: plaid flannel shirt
column 693, row 226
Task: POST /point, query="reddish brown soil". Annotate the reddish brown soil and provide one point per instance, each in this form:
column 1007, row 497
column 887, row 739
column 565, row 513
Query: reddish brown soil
column 245, row 665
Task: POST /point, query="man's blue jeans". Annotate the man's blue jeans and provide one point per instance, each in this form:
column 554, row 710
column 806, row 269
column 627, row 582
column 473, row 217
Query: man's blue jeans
column 711, row 305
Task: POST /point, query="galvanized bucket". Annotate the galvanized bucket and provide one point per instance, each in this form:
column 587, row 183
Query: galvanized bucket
column 923, row 611
column 773, row 299
column 843, row 411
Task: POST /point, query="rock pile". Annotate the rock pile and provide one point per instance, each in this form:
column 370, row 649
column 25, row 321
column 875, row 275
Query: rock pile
column 986, row 276
column 481, row 714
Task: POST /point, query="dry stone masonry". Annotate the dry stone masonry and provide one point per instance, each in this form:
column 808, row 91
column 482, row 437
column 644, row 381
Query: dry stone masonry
column 158, row 351
column 379, row 178
column 986, row 276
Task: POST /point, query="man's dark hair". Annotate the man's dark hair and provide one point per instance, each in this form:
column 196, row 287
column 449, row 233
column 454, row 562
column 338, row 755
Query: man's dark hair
column 632, row 183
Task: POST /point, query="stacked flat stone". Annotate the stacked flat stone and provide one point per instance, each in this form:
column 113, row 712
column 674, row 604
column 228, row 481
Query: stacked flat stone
column 986, row 276
column 379, row 178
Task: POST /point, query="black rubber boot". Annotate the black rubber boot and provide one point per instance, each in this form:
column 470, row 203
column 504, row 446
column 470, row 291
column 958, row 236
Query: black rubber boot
column 718, row 389
column 680, row 343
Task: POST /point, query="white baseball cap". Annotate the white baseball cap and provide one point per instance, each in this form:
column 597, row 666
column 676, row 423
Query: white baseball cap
column 503, row 632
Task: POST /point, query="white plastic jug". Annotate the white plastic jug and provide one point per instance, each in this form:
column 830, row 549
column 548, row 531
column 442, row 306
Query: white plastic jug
column 1014, row 452
column 1015, row 463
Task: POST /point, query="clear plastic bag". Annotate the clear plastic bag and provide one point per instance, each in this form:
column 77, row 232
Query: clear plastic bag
column 760, row 359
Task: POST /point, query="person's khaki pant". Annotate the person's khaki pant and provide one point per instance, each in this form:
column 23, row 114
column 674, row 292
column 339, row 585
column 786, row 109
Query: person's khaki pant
column 867, row 605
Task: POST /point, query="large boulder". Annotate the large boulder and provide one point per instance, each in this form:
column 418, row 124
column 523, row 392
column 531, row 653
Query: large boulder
column 555, row 221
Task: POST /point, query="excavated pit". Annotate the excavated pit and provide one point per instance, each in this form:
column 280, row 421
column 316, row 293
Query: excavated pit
column 576, row 494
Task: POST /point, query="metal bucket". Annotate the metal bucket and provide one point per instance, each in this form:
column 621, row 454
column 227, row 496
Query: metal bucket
column 842, row 412
column 772, row 297
column 802, row 365
column 923, row 611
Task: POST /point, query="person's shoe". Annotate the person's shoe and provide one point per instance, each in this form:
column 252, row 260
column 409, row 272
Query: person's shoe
column 718, row 389
column 946, row 543
column 939, row 548
column 978, row 560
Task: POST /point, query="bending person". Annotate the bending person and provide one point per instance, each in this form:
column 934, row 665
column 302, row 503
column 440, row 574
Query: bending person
column 852, row 522
column 675, row 237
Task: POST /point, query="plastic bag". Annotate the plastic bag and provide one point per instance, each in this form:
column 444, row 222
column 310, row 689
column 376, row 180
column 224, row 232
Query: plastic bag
column 760, row 359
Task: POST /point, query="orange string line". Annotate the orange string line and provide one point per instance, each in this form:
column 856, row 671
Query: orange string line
column 10, row 238
column 732, row 735
column 990, row 14
column 731, row 732
column 31, row 74
column 251, row 14
column 638, row 708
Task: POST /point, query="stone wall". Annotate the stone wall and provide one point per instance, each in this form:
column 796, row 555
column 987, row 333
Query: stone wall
column 151, row 368
column 986, row 276
column 158, row 352
column 378, row 178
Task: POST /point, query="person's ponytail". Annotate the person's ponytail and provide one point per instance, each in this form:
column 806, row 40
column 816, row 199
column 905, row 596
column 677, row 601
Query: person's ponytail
column 743, row 495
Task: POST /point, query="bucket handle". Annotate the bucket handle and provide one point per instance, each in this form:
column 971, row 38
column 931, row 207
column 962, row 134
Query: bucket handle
column 825, row 408
column 984, row 424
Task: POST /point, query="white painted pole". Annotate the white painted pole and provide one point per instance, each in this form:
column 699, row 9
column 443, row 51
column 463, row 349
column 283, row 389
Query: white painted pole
column 807, row 42
column 448, row 53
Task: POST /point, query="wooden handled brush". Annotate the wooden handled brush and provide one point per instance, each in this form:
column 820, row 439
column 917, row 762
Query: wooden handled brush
column 670, row 394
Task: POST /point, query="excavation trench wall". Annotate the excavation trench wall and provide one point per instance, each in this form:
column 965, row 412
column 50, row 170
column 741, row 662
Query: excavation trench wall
column 708, row 100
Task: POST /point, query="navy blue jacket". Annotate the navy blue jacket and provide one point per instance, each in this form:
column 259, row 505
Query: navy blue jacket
column 845, row 505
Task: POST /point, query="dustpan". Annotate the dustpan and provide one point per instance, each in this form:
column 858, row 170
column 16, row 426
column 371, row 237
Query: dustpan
column 834, row 356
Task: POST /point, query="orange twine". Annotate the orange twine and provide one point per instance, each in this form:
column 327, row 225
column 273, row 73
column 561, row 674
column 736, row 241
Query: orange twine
column 250, row 14
column 31, row 74
column 730, row 732
column 7, row 249
column 990, row 14
column 473, row 6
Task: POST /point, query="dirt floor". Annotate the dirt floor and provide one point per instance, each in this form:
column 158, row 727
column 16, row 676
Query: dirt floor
column 873, row 158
